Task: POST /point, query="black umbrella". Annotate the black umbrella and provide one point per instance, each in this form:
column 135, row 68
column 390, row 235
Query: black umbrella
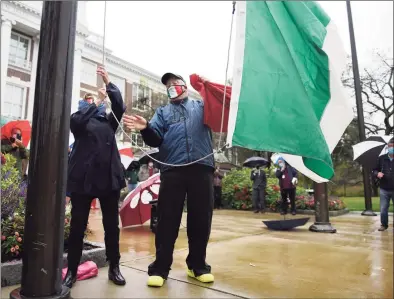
column 285, row 224
column 367, row 152
column 255, row 161
column 134, row 165
column 144, row 159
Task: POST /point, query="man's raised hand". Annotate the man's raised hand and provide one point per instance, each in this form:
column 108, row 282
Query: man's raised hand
column 135, row 122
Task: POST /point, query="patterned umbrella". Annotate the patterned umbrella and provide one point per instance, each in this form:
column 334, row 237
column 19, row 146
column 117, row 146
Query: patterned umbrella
column 136, row 209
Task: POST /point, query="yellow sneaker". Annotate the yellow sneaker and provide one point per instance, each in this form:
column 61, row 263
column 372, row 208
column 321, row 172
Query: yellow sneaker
column 155, row 281
column 205, row 278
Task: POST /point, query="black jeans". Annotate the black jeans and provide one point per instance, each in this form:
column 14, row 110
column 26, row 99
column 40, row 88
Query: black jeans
column 195, row 182
column 258, row 197
column 79, row 219
column 291, row 194
column 218, row 196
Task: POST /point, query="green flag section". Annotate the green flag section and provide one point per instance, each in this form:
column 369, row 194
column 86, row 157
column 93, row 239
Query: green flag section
column 287, row 96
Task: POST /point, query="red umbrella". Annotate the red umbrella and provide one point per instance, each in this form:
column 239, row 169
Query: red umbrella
column 213, row 93
column 22, row 125
column 136, row 209
column 126, row 156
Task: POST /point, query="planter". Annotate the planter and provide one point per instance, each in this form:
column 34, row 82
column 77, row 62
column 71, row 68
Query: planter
column 11, row 272
column 331, row 213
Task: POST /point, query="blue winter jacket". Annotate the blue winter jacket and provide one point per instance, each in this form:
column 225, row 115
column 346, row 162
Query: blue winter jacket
column 178, row 130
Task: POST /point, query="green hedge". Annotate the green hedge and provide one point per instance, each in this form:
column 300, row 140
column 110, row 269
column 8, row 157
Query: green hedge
column 237, row 193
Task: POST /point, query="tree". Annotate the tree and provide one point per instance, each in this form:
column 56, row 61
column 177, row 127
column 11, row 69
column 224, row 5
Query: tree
column 377, row 93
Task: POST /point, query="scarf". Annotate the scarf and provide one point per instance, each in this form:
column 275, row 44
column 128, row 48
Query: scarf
column 101, row 108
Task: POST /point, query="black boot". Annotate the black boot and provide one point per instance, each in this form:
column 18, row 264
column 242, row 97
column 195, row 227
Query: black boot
column 70, row 279
column 115, row 276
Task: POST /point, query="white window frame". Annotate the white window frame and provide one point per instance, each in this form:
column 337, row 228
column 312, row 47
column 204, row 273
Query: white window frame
column 135, row 94
column 18, row 83
column 94, row 65
column 27, row 63
column 134, row 137
column 117, row 81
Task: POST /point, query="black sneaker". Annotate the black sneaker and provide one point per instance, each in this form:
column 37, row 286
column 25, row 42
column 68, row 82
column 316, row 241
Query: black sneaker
column 382, row 228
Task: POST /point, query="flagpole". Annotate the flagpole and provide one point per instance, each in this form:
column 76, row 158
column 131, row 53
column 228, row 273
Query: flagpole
column 360, row 113
column 45, row 204
column 322, row 214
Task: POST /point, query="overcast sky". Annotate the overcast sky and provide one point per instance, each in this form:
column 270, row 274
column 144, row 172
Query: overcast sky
column 192, row 37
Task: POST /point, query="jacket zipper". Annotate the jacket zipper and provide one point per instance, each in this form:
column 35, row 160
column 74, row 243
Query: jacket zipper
column 187, row 139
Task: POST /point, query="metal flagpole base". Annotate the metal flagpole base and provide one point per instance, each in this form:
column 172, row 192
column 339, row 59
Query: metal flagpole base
column 368, row 213
column 322, row 227
column 65, row 294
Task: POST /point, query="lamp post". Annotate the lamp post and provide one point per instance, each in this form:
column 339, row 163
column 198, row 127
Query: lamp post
column 322, row 215
column 360, row 113
column 45, row 204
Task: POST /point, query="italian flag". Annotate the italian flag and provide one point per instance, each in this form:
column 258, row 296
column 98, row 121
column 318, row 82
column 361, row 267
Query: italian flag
column 287, row 96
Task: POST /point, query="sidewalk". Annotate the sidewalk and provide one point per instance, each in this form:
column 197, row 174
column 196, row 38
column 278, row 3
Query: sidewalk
column 250, row 261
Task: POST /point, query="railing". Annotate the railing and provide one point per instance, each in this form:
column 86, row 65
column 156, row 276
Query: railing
column 18, row 62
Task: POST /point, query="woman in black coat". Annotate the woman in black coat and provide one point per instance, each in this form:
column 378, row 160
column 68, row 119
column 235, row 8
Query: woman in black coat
column 95, row 170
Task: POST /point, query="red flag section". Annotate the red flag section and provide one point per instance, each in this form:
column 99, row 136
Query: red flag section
column 212, row 94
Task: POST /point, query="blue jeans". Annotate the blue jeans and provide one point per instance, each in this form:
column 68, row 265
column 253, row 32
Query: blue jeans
column 131, row 187
column 385, row 196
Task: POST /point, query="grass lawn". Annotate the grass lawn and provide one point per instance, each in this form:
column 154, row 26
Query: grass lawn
column 357, row 204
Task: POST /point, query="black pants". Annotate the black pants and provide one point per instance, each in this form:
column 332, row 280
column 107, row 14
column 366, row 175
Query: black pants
column 258, row 197
column 218, row 196
column 291, row 194
column 79, row 220
column 195, row 182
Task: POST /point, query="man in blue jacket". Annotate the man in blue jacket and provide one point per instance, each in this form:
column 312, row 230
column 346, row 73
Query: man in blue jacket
column 178, row 130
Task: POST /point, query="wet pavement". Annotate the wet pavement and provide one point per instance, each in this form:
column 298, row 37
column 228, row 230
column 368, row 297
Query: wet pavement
column 249, row 261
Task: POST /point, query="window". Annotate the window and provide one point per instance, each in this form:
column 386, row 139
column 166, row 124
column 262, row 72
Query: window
column 88, row 73
column 163, row 98
column 13, row 102
column 136, row 138
column 20, row 51
column 119, row 82
column 141, row 97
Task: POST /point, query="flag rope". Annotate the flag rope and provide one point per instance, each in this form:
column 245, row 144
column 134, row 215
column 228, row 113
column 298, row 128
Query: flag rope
column 220, row 149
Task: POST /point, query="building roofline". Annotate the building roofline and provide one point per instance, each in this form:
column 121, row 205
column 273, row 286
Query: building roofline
column 128, row 65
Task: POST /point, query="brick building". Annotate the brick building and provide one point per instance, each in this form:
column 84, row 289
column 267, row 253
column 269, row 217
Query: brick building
column 20, row 29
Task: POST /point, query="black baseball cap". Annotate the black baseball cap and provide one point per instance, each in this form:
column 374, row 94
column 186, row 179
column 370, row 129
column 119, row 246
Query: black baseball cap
column 167, row 76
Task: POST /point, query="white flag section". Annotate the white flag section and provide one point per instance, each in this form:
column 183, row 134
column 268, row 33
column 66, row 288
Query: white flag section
column 287, row 94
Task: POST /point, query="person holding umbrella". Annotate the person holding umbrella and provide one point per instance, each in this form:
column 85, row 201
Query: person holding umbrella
column 178, row 130
column 259, row 185
column 13, row 145
column 287, row 176
column 132, row 176
column 384, row 172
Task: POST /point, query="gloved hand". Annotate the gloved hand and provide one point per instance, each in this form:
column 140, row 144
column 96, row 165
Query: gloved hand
column 294, row 181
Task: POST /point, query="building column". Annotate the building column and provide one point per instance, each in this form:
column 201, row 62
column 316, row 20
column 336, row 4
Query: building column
column 76, row 80
column 36, row 45
column 6, row 26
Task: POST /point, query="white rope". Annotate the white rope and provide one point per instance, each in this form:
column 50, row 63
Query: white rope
column 104, row 31
column 220, row 149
